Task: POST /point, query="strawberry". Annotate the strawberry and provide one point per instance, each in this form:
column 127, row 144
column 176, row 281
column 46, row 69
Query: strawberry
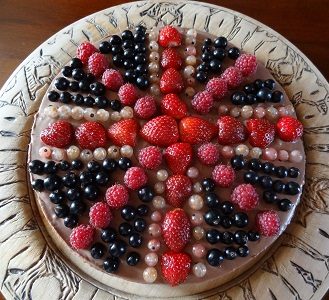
column 91, row 135
column 176, row 229
column 268, row 222
column 85, row 50
column 173, row 106
column 195, row 130
column 112, row 79
column 170, row 58
column 97, row 64
column 230, row 131
column 160, row 131
column 261, row 132
column 289, row 129
column 169, row 36
column 178, row 188
column 171, row 82
column 124, row 132
column 178, row 157
column 58, row 134
column 175, row 267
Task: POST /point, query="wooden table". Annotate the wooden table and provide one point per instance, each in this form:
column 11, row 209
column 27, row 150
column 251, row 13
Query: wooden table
column 26, row 24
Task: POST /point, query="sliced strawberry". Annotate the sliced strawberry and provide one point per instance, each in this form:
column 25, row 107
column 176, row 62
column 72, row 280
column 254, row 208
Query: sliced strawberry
column 178, row 157
column 195, row 130
column 124, row 132
column 261, row 132
column 160, row 131
column 175, row 267
column 170, row 58
column 289, row 129
column 171, row 82
column 169, row 36
column 176, row 229
column 230, row 131
column 58, row 134
column 178, row 188
column 91, row 135
column 173, row 106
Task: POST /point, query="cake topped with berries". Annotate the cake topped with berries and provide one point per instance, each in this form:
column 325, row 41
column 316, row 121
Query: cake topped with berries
column 166, row 157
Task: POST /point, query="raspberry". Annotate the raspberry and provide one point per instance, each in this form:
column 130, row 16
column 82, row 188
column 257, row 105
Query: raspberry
column 117, row 196
column 247, row 64
column 145, row 107
column 135, row 178
column 112, row 79
column 82, row 236
column 128, row 94
column 268, row 222
column 150, row 157
column 84, row 51
column 97, row 64
column 232, row 76
column 100, row 215
column 245, row 196
column 202, row 102
column 217, row 87
column 208, row 154
column 223, row 175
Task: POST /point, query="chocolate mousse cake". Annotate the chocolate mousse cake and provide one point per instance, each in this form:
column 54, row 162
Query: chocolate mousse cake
column 165, row 160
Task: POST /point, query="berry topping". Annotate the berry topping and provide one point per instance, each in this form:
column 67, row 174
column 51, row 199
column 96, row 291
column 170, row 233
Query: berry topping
column 123, row 132
column 169, row 36
column 173, row 106
column 135, row 178
column 230, row 131
column 247, row 64
column 217, row 87
column 150, row 157
column 223, row 175
column 112, row 79
column 117, row 196
column 203, row 102
column 84, row 51
column 268, row 222
column 170, row 58
column 128, row 94
column 58, row 134
column 178, row 188
column 245, row 196
column 176, row 229
column 261, row 132
column 160, row 131
column 171, row 82
column 289, row 129
column 97, row 64
column 232, row 76
column 208, row 154
column 82, row 236
column 145, row 107
column 178, row 157
column 91, row 135
column 100, row 215
column 195, row 130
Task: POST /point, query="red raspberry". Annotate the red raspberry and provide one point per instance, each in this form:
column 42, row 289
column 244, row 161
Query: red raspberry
column 135, row 178
column 289, row 129
column 112, row 79
column 91, row 135
column 100, row 215
column 117, row 196
column 232, row 76
column 223, row 175
column 145, row 107
column 97, row 64
column 247, row 64
column 85, row 50
column 268, row 222
column 245, row 196
column 128, row 94
column 202, row 102
column 82, row 236
column 150, row 157
column 217, row 87
column 208, row 154
column 169, row 36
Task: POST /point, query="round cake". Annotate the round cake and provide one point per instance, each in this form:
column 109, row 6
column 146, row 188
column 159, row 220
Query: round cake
column 165, row 161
